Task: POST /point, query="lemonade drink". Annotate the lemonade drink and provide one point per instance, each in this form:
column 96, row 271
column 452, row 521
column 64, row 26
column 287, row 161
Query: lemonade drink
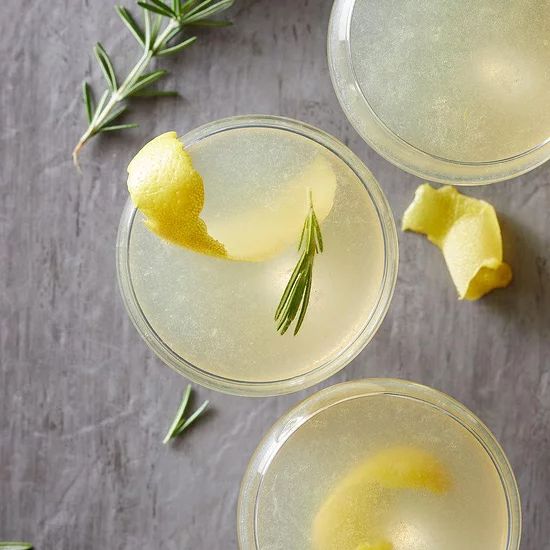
column 217, row 314
column 465, row 81
column 450, row 91
column 379, row 465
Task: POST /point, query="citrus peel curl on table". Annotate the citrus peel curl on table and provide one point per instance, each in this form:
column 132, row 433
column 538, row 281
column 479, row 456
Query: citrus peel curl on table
column 467, row 232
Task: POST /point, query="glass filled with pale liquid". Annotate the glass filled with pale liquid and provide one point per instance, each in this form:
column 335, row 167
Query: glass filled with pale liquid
column 212, row 319
column 451, row 91
column 379, row 464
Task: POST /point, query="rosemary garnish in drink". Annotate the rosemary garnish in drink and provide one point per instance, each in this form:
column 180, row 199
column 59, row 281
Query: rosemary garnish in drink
column 295, row 297
column 162, row 24
column 180, row 423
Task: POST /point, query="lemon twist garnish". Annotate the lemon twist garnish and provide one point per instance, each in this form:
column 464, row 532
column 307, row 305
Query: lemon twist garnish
column 164, row 185
column 166, row 188
column 356, row 512
column 384, row 545
column 407, row 468
column 467, row 232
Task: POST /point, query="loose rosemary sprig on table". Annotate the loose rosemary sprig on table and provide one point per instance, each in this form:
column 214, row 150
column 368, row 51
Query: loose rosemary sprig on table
column 296, row 295
column 162, row 24
column 180, row 422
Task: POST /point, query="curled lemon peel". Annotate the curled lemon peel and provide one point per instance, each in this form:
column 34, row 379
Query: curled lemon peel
column 467, row 232
column 404, row 467
column 384, row 545
column 166, row 188
column 355, row 514
column 261, row 233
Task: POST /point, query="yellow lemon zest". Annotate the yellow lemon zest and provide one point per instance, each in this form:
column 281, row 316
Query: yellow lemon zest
column 408, row 468
column 355, row 513
column 467, row 232
column 164, row 185
column 261, row 233
column 384, row 545
column 166, row 188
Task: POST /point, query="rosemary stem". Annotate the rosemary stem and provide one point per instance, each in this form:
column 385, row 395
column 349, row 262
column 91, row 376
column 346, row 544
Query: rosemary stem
column 134, row 74
column 121, row 92
column 163, row 21
column 295, row 299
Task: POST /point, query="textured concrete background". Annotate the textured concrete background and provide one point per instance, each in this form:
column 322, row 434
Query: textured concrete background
column 84, row 404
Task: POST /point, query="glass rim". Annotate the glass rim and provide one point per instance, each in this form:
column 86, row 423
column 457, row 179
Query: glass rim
column 276, row 437
column 391, row 145
column 319, row 373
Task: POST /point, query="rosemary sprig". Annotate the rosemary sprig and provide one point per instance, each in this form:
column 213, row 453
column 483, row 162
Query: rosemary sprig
column 296, row 295
column 180, row 423
column 159, row 36
column 15, row 545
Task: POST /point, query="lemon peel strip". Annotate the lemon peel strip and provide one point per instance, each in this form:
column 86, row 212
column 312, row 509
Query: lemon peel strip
column 407, row 468
column 261, row 233
column 354, row 515
column 167, row 189
column 467, row 232
column 384, row 545
column 164, row 185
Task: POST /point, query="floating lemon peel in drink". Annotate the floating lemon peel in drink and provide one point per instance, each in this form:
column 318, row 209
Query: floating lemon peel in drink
column 355, row 515
column 376, row 546
column 467, row 232
column 166, row 188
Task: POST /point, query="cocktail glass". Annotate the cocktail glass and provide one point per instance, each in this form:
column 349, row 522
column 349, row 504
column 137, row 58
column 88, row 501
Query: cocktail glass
column 454, row 92
column 212, row 319
column 379, row 463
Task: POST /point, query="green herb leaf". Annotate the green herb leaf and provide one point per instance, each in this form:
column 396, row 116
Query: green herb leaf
column 180, row 423
column 295, row 299
column 106, row 66
column 178, row 47
column 156, row 28
column 113, row 116
column 147, row 80
column 156, row 9
column 183, row 426
column 163, row 6
column 131, row 23
column 187, row 5
column 206, row 9
column 118, row 127
column 147, row 27
column 9, row 545
column 172, row 34
column 179, row 415
column 88, row 101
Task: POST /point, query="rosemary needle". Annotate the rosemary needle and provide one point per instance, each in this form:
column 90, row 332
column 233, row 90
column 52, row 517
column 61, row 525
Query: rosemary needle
column 295, row 298
column 9, row 545
column 180, row 423
column 191, row 419
column 177, row 419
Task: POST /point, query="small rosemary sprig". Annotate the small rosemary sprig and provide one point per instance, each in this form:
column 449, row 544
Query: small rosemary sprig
column 295, row 297
column 180, row 423
column 159, row 36
column 15, row 545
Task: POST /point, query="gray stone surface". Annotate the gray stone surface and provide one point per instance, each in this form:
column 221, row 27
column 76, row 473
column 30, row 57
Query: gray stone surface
column 83, row 402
